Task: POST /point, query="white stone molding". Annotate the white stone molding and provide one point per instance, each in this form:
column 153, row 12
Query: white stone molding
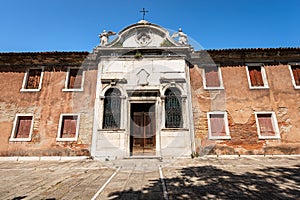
column 292, row 75
column 274, row 123
column 263, row 73
column 25, row 79
column 210, row 136
column 14, row 130
column 59, row 138
column 66, row 89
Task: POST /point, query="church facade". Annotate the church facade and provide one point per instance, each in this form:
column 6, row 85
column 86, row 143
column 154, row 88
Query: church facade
column 150, row 94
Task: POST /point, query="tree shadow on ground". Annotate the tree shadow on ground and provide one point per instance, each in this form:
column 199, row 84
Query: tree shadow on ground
column 210, row 182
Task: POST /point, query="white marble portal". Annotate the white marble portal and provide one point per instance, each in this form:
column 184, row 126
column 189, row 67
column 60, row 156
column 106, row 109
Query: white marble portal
column 142, row 78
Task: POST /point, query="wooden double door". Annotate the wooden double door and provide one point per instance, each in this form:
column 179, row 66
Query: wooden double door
column 142, row 131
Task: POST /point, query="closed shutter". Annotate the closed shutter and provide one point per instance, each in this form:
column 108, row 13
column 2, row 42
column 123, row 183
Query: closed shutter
column 266, row 125
column 212, row 78
column 69, row 127
column 256, row 76
column 296, row 74
column 217, row 125
column 259, row 78
column 252, row 77
column 23, row 127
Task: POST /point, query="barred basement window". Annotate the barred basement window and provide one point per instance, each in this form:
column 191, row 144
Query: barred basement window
column 68, row 127
column 74, row 80
column 212, row 78
column 218, row 125
column 32, row 80
column 173, row 108
column 295, row 72
column 22, row 129
column 267, row 125
column 112, row 109
column 257, row 77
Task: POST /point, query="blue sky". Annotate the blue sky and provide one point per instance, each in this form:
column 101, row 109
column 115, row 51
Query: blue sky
column 74, row 25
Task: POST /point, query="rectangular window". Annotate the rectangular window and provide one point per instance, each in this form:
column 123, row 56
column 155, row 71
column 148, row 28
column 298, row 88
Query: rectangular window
column 267, row 125
column 295, row 73
column 74, row 79
column 218, row 125
column 22, row 129
column 32, row 81
column 257, row 77
column 69, row 126
column 212, row 77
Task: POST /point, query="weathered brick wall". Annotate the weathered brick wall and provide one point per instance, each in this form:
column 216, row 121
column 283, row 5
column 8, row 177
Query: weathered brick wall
column 240, row 103
column 46, row 105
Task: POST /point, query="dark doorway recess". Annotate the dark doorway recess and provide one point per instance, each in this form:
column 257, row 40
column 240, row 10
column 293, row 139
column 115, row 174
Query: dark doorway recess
column 142, row 129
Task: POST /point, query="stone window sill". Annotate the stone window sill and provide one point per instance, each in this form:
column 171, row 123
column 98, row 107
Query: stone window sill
column 175, row 129
column 30, row 90
column 73, row 90
column 111, row 130
column 20, row 139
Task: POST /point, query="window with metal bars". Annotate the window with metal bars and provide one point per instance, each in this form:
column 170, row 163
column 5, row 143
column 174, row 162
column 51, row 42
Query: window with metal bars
column 112, row 109
column 173, row 108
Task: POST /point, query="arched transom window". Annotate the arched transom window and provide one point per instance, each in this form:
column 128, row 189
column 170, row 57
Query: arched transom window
column 112, row 109
column 173, row 108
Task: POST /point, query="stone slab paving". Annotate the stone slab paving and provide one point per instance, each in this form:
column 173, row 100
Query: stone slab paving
column 234, row 178
column 201, row 178
column 137, row 179
column 51, row 180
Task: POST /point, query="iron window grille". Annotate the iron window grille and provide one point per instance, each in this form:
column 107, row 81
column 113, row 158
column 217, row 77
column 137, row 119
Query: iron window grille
column 112, row 109
column 173, row 108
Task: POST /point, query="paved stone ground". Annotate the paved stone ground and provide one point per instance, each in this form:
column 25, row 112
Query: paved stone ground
column 201, row 178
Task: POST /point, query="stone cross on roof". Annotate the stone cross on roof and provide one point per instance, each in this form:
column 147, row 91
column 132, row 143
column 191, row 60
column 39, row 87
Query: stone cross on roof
column 144, row 12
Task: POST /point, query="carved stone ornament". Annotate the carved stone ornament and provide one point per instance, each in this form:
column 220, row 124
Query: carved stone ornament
column 142, row 76
column 143, row 38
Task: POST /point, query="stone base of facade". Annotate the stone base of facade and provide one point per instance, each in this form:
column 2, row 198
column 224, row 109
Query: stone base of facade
column 47, row 152
column 284, row 149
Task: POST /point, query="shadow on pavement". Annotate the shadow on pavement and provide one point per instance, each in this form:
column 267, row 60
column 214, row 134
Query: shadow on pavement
column 210, row 182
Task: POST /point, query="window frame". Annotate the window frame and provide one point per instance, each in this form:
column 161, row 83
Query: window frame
column 25, row 79
column 13, row 132
column 59, row 138
column 66, row 89
column 104, row 110
column 263, row 74
column 182, row 123
column 292, row 75
column 274, row 123
column 221, row 87
column 210, row 136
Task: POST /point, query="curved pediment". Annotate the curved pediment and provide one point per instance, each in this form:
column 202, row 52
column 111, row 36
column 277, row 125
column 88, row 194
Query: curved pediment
column 143, row 34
